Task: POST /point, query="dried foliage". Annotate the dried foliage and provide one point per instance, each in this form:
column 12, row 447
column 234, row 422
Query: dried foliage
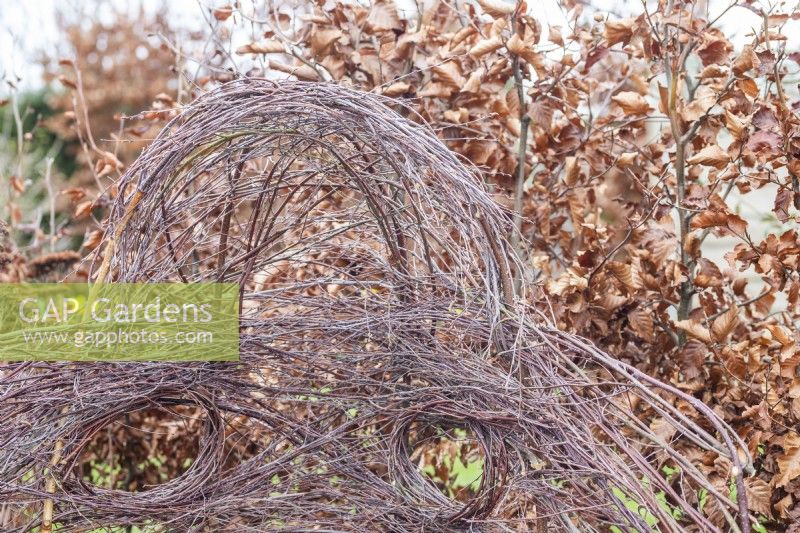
column 377, row 305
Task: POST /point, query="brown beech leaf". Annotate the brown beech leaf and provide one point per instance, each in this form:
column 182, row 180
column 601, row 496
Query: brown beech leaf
column 710, row 156
column 766, row 263
column 748, row 87
column 782, row 200
column 571, row 171
column 758, row 496
column 789, row 460
column 713, row 72
column 497, row 27
column 525, row 50
column 663, row 429
column 708, row 274
column 781, row 334
column 736, row 224
column 435, row 90
column 662, row 249
column 642, row 323
column 485, row 46
column 473, row 85
column 765, row 142
column 765, row 303
column 725, row 323
column 449, row 73
column 514, row 125
column 733, row 360
column 302, row 72
column 461, row 35
column 93, row 239
column 766, row 60
column 396, row 89
column 406, row 44
column 164, row 99
column 745, row 61
column 735, row 125
column 83, row 209
column 624, row 274
column 695, row 330
column 223, row 13
column 497, row 8
column 626, row 159
column 704, row 100
column 67, row 82
column 765, row 119
column 17, row 184
column 512, row 102
column 76, row 194
column 663, row 99
column 111, row 159
column 593, row 57
column 714, row 51
column 479, row 150
column 610, row 302
column 16, row 212
column 456, row 116
column 784, row 506
column 335, row 65
column 618, row 31
column 516, row 45
column 693, row 355
column 554, row 35
column 267, row 46
column 570, row 281
column 383, row 17
column 719, row 219
column 323, row 39
column 631, row 103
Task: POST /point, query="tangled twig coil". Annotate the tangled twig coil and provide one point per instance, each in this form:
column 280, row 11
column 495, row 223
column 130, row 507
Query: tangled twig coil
column 376, row 302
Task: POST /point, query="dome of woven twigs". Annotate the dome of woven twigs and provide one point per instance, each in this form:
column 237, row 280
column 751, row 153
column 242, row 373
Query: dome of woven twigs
column 377, row 316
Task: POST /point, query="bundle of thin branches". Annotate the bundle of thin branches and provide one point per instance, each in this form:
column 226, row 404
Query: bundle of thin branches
column 376, row 304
